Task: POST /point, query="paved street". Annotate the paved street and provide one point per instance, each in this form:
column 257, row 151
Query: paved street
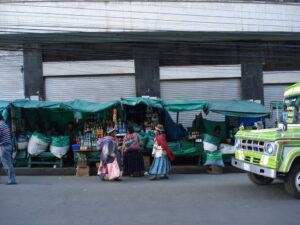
column 184, row 199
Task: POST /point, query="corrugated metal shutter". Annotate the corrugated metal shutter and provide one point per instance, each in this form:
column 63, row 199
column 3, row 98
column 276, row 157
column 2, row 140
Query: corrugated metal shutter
column 90, row 88
column 11, row 77
column 273, row 92
column 200, row 89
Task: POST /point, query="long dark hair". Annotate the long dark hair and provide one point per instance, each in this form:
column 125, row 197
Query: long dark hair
column 130, row 130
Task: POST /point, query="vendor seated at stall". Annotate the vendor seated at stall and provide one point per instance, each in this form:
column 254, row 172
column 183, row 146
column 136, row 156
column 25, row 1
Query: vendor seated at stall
column 54, row 130
column 71, row 132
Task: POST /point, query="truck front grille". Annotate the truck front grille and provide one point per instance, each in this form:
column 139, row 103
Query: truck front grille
column 253, row 145
column 254, row 160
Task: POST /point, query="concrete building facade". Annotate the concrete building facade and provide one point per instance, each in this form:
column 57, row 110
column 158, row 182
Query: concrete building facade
column 104, row 50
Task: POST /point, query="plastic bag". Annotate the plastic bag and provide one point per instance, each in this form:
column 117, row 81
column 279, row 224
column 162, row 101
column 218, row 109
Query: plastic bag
column 38, row 143
column 59, row 146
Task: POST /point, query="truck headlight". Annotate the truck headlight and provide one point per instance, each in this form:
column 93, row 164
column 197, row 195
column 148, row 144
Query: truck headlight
column 237, row 143
column 270, row 148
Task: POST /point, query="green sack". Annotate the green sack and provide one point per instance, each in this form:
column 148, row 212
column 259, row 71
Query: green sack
column 42, row 137
column 144, row 138
column 214, row 156
column 211, row 139
column 61, row 141
column 150, row 142
column 175, row 147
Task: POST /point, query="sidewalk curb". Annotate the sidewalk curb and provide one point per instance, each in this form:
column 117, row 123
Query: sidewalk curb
column 71, row 171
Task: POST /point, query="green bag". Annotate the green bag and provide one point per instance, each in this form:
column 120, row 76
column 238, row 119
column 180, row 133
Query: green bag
column 61, row 141
column 150, row 142
column 214, row 156
column 144, row 138
column 42, row 137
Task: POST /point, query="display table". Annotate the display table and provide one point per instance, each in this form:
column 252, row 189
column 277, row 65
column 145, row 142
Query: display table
column 92, row 156
column 45, row 158
column 187, row 149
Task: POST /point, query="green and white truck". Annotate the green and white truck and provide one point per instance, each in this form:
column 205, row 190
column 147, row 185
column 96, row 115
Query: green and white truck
column 268, row 154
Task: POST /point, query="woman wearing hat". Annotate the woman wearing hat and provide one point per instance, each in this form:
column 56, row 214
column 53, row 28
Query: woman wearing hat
column 110, row 158
column 162, row 155
column 132, row 158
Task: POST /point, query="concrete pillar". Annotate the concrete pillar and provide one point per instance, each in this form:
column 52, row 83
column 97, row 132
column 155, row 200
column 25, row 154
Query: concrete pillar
column 147, row 77
column 33, row 71
column 252, row 81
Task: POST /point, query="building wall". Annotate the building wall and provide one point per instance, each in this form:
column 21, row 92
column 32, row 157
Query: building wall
column 116, row 16
column 11, row 75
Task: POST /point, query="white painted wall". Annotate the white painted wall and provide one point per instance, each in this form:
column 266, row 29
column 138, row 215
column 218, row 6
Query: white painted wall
column 199, row 72
column 88, row 67
column 11, row 76
column 41, row 17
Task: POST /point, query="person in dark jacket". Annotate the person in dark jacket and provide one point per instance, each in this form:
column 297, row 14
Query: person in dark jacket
column 6, row 151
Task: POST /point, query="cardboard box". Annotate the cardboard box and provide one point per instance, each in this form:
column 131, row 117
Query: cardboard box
column 81, row 171
column 82, row 161
column 147, row 161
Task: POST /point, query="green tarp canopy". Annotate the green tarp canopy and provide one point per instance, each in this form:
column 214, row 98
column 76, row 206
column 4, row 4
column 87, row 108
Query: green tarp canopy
column 277, row 105
column 29, row 104
column 90, row 107
column 155, row 103
column 75, row 105
column 237, row 108
column 181, row 104
column 4, row 109
column 4, row 104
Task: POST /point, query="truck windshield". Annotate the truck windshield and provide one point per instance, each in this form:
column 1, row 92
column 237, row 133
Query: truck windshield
column 291, row 112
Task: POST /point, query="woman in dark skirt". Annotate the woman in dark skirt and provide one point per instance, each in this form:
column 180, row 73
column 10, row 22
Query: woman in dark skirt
column 132, row 157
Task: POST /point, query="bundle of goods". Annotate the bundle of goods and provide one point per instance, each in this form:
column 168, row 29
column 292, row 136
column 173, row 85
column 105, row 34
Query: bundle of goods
column 59, row 146
column 213, row 155
column 82, row 168
column 38, row 143
column 22, row 142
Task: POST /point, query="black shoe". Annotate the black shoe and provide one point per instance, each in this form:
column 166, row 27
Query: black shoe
column 164, row 177
column 118, row 179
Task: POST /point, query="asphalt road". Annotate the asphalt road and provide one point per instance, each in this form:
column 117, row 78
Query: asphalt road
column 183, row 200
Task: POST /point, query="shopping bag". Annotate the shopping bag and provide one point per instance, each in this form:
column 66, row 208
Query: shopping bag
column 113, row 170
column 102, row 171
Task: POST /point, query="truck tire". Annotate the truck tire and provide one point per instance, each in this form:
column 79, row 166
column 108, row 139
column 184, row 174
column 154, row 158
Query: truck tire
column 259, row 180
column 292, row 182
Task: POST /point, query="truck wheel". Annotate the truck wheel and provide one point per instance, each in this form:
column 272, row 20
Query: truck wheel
column 292, row 182
column 259, row 180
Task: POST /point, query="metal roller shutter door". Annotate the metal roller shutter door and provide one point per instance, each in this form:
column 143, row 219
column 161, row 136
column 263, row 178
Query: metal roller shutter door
column 91, row 88
column 200, row 89
column 12, row 81
column 273, row 92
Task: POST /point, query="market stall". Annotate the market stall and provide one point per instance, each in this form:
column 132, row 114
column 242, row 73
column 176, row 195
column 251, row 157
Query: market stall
column 53, row 127
column 203, row 129
column 219, row 150
column 184, row 144
column 143, row 113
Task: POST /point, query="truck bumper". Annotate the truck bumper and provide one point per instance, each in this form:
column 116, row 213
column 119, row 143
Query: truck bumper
column 263, row 171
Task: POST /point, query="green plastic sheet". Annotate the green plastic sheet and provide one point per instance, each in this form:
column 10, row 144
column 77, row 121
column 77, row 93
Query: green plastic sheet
column 42, row 137
column 155, row 103
column 277, row 105
column 28, row 104
column 90, row 107
column 211, row 139
column 181, row 104
column 60, row 141
column 4, row 109
column 237, row 108
column 214, row 156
